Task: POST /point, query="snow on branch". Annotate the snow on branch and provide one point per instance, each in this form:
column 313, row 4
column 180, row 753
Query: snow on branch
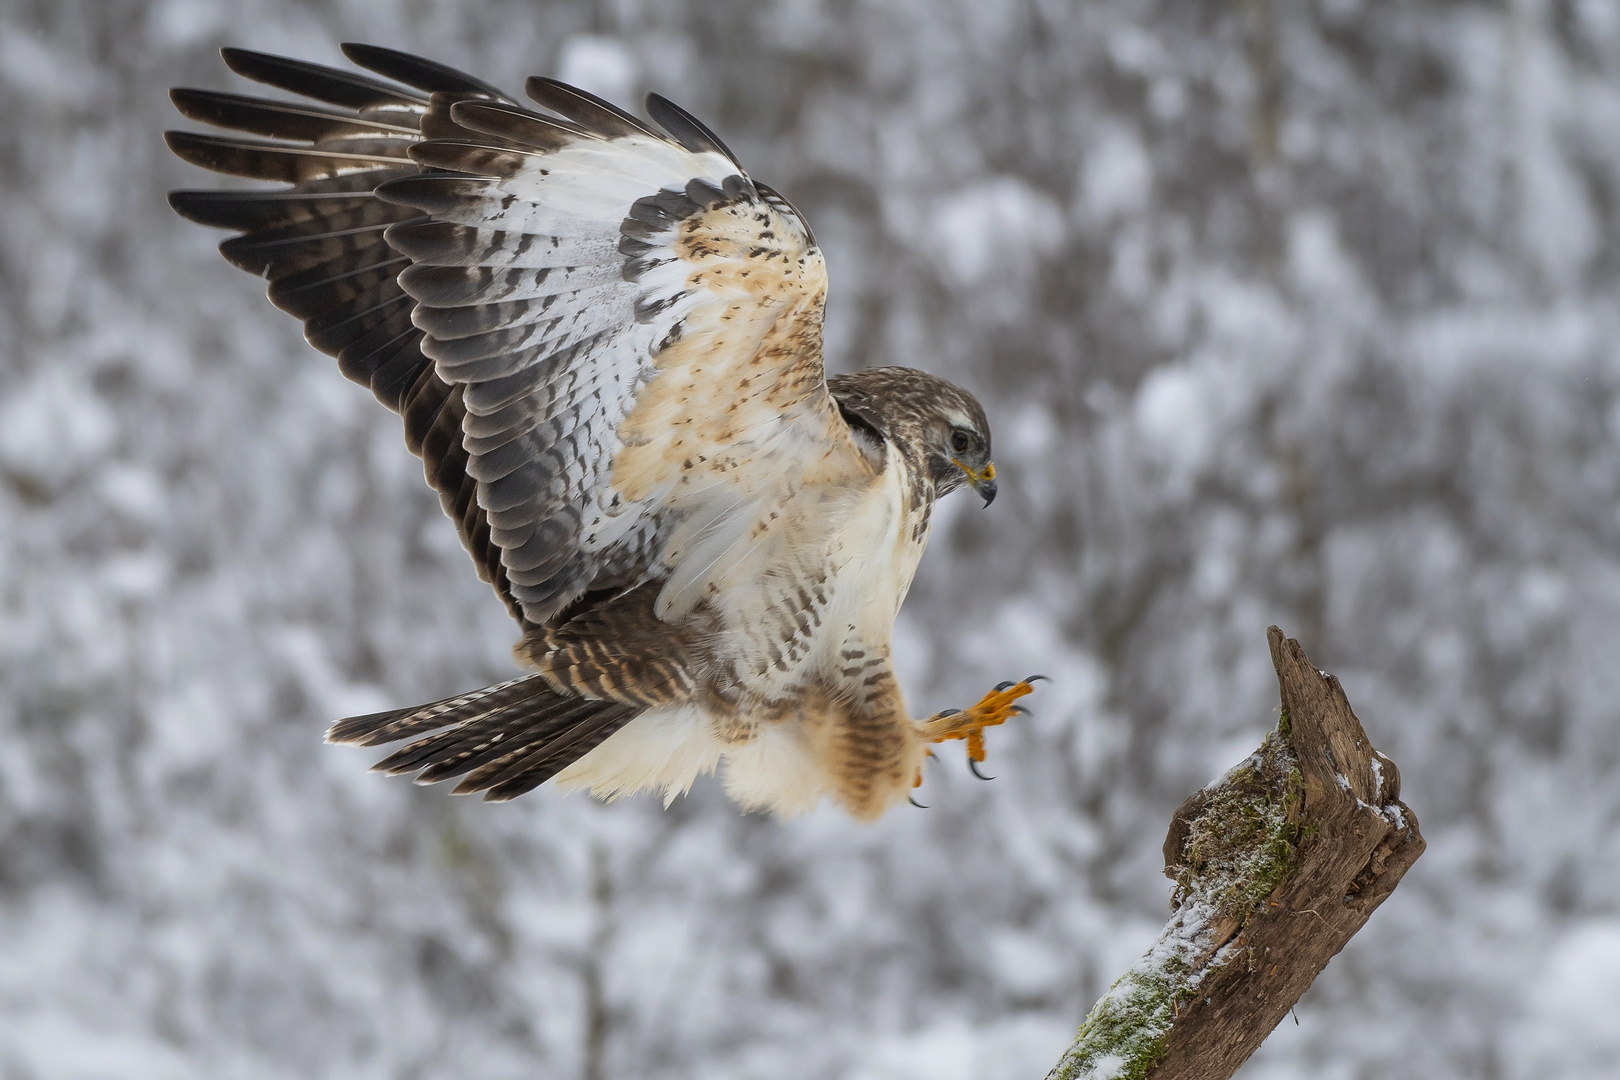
column 1276, row 866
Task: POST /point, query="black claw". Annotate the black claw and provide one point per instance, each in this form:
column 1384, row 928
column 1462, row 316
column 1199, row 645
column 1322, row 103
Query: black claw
column 1019, row 710
column 973, row 767
column 915, row 803
column 1038, row 678
column 1000, row 686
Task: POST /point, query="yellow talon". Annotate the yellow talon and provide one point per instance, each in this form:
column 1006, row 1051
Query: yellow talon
column 994, row 708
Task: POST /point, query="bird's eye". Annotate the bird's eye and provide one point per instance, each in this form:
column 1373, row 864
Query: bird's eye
column 960, row 441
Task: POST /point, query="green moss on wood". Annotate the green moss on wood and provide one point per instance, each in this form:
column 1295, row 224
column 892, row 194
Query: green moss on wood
column 1240, row 846
column 1237, row 851
column 1125, row 1032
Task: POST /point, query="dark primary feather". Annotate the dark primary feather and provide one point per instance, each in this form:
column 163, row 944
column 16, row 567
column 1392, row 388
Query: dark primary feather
column 275, row 161
column 515, row 125
column 246, row 211
column 322, row 244
column 687, row 129
column 279, row 119
column 585, row 109
column 424, row 74
column 331, row 85
column 432, row 193
column 476, row 157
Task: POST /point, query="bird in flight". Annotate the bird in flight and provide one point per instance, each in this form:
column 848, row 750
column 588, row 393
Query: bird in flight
column 604, row 339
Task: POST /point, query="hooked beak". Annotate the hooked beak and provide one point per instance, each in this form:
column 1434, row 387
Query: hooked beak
column 984, row 481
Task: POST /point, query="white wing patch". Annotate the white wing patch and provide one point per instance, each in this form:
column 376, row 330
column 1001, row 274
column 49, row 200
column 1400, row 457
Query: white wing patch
column 636, row 326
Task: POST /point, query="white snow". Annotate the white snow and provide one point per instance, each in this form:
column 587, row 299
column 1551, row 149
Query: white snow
column 1567, row 1027
column 1173, row 414
column 995, row 227
column 603, row 65
column 1117, row 176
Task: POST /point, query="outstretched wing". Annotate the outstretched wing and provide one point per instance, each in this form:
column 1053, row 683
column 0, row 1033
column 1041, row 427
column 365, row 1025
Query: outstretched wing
column 605, row 340
column 320, row 241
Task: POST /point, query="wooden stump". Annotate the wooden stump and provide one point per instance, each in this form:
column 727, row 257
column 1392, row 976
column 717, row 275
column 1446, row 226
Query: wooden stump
column 1277, row 865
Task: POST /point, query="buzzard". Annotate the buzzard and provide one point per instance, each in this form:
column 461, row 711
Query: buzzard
column 604, row 340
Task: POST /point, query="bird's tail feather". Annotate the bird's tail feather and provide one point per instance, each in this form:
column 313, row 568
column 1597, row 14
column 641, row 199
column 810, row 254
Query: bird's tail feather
column 507, row 739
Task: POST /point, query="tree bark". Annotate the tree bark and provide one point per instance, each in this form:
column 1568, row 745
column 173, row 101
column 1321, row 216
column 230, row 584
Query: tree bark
column 1277, row 865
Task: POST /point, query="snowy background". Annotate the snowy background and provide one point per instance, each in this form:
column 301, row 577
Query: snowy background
column 1283, row 312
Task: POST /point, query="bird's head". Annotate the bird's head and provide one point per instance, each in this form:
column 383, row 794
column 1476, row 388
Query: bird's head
column 939, row 423
column 958, row 447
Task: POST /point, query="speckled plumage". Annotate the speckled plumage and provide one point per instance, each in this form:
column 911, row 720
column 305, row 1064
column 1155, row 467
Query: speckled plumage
column 605, row 341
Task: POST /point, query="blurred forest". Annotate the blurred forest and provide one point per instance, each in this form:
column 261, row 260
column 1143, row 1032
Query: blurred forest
column 1301, row 313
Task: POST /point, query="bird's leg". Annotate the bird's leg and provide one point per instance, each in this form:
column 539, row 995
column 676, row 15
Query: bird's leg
column 994, row 708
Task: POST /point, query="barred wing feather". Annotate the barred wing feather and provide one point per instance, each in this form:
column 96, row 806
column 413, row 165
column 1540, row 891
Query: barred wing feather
column 320, row 242
column 606, row 340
